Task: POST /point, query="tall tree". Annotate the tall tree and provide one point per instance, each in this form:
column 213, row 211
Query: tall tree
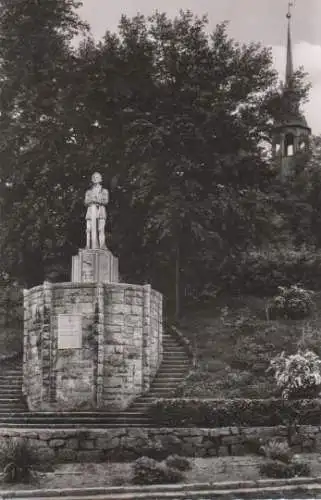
column 197, row 111
column 36, row 60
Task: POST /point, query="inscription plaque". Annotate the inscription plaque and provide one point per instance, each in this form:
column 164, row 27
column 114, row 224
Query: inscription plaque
column 69, row 331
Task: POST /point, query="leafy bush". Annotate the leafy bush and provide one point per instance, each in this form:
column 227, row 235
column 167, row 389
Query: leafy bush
column 277, row 450
column 18, row 459
column 291, row 303
column 178, row 462
column 297, row 375
column 310, row 339
column 235, row 412
column 261, row 271
column 148, row 471
column 278, row 470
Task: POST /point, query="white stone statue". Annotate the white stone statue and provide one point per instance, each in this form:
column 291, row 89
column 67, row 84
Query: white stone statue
column 96, row 198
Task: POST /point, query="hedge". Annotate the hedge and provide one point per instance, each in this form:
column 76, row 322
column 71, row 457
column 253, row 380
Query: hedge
column 235, row 412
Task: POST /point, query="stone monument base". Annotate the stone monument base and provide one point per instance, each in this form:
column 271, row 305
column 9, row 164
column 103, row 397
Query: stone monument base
column 90, row 345
column 94, row 266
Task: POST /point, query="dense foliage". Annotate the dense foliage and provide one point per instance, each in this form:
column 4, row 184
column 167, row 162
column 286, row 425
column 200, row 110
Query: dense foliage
column 261, row 270
column 148, row 471
column 235, row 412
column 292, row 302
column 277, row 450
column 297, row 375
column 279, row 470
column 173, row 118
column 18, row 460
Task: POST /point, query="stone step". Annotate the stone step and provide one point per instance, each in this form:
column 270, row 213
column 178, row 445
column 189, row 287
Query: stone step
column 177, row 352
column 8, row 398
column 175, row 376
column 165, row 383
column 45, row 414
column 171, row 361
column 146, row 400
column 116, row 425
column 173, row 353
column 10, row 380
column 170, row 355
column 163, row 387
column 176, row 373
column 14, row 385
column 174, row 364
column 162, row 394
column 12, row 402
column 173, row 345
column 16, row 393
column 72, row 421
column 12, row 373
column 10, row 384
column 14, row 411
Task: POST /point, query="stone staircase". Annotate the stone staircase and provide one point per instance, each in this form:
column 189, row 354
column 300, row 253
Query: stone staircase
column 14, row 411
column 11, row 398
column 172, row 372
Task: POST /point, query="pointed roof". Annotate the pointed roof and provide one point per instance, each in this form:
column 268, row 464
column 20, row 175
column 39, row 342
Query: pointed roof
column 291, row 113
column 289, row 54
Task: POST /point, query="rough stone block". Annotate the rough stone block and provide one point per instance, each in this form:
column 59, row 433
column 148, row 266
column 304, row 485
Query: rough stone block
column 57, row 443
column 66, row 455
column 89, row 456
column 72, row 444
column 86, row 445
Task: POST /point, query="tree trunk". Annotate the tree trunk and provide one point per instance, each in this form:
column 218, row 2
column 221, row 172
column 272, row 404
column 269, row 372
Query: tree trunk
column 177, row 284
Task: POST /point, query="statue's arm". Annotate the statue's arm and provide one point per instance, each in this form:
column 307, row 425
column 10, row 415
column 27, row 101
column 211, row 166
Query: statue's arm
column 105, row 197
column 88, row 199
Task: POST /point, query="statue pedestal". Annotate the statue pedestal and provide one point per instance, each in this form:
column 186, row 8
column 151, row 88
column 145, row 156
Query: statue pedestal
column 94, row 266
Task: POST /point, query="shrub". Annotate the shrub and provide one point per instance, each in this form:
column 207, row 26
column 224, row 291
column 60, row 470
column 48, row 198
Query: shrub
column 18, row 460
column 261, row 271
column 280, row 470
column 291, row 303
column 310, row 339
column 149, row 471
column 298, row 374
column 277, row 450
column 178, row 462
column 235, row 412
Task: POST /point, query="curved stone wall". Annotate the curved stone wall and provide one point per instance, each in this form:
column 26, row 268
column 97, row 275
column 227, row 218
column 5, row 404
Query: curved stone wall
column 90, row 345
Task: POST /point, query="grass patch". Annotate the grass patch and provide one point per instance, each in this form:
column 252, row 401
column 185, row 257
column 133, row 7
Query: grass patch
column 234, row 343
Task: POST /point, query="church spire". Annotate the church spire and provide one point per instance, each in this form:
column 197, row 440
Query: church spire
column 290, row 134
column 289, row 55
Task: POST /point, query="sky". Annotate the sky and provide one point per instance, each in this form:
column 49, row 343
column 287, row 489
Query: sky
column 249, row 20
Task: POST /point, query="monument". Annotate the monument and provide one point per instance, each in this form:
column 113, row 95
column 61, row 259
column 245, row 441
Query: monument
column 96, row 199
column 95, row 262
column 91, row 343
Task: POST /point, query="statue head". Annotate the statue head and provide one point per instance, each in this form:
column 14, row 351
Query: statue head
column 96, row 178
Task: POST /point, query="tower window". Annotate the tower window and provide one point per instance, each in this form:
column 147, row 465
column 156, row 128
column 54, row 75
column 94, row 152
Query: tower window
column 289, row 145
column 277, row 148
column 303, row 145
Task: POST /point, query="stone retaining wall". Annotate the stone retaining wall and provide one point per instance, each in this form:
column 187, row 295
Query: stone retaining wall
column 128, row 443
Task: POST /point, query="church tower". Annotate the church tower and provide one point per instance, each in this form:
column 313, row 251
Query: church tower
column 291, row 133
